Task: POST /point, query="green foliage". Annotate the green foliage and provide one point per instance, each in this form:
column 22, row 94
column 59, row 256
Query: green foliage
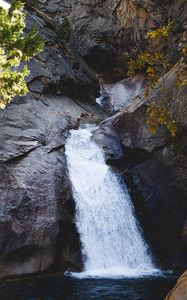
column 15, row 48
column 64, row 31
column 155, row 64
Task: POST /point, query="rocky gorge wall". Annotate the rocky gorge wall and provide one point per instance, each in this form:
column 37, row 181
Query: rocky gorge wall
column 36, row 203
column 154, row 167
column 37, row 228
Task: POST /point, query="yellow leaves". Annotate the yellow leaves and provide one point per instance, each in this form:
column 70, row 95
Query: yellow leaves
column 155, row 64
column 161, row 32
column 184, row 51
column 160, row 116
column 150, row 71
column 163, row 89
column 181, row 82
column 151, row 63
column 181, row 78
column 172, row 128
column 158, row 33
column 158, row 56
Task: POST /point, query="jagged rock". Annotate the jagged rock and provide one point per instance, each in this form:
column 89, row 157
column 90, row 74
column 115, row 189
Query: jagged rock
column 57, row 69
column 105, row 30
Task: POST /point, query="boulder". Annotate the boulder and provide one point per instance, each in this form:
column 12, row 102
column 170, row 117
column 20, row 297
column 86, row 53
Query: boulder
column 179, row 292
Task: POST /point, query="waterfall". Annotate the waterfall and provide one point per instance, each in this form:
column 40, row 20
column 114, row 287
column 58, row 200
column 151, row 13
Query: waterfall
column 112, row 243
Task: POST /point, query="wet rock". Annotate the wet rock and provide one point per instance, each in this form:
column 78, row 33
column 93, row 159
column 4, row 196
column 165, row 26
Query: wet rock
column 117, row 96
column 109, row 139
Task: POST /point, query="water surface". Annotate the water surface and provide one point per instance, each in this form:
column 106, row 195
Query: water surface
column 59, row 287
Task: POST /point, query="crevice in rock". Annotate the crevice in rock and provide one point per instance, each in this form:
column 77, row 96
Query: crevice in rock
column 20, row 156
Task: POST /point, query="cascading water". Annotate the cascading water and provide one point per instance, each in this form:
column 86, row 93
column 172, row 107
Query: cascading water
column 111, row 240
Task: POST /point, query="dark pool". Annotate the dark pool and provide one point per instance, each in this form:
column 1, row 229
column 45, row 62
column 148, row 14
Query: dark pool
column 59, row 287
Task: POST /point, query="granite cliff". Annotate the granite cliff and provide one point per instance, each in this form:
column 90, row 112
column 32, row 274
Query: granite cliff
column 37, row 230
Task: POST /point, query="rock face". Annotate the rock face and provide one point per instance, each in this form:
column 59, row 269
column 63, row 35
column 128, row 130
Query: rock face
column 179, row 292
column 37, row 229
column 157, row 165
column 106, row 33
column 58, row 68
column 116, row 96
column 156, row 171
column 36, row 208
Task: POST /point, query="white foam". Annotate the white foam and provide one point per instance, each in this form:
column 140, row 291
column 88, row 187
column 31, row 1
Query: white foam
column 112, row 243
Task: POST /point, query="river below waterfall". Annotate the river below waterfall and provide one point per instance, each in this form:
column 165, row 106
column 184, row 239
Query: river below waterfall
column 59, row 287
